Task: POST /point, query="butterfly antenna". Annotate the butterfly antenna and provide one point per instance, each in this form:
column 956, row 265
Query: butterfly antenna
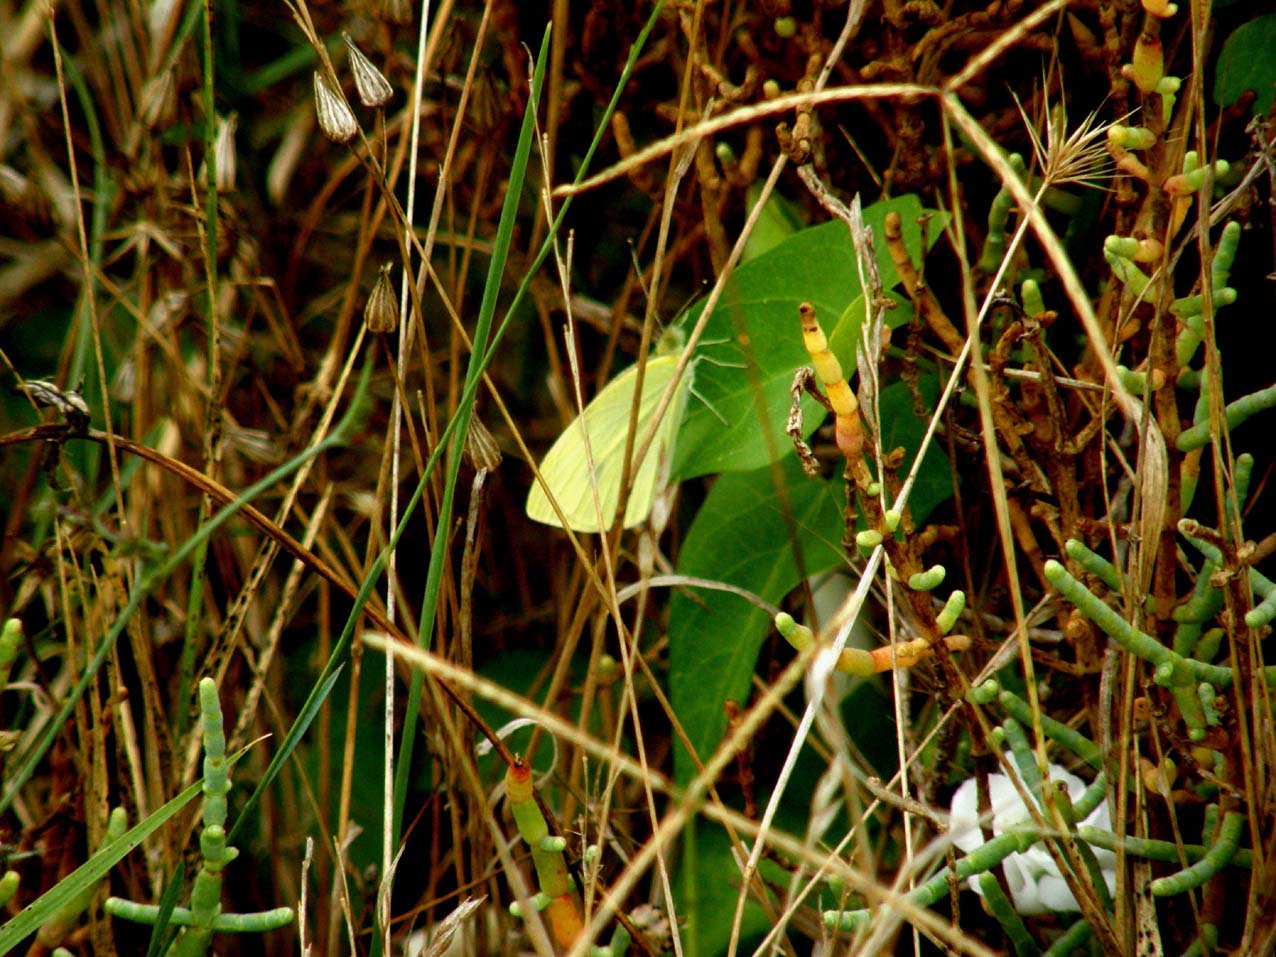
column 707, row 404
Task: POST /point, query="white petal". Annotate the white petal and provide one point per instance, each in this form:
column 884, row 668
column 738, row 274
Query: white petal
column 963, row 819
column 1024, row 890
column 1055, row 895
column 1035, row 882
column 1007, row 807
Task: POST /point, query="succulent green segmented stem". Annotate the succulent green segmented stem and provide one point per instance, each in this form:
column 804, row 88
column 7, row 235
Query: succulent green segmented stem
column 853, row 661
column 1229, row 240
column 1191, row 476
column 1124, row 246
column 1030, row 295
column 1093, row 869
column 1137, row 643
column 951, row 611
column 1215, row 859
column 983, row 858
column 984, row 692
column 1193, row 532
column 928, row 580
column 206, row 894
column 1056, row 731
column 1190, row 307
column 1071, row 939
column 1211, row 642
column 1210, row 823
column 1186, row 343
column 204, row 917
column 1091, row 797
column 1194, row 333
column 552, row 875
column 1205, row 943
column 1130, row 275
column 68, row 915
column 848, row 921
column 1024, row 757
column 1207, row 694
column 1193, row 176
column 1198, row 436
column 998, row 217
column 1000, row 907
column 8, row 886
column 1136, row 383
column 1131, row 137
column 257, row 922
column 1262, row 613
column 540, row 900
column 1239, row 494
column 868, row 539
column 1094, row 563
column 1151, row 850
column 1186, row 695
column 1205, row 603
column 216, row 777
column 794, row 632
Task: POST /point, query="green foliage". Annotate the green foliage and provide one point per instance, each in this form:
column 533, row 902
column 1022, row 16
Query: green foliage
column 201, row 314
column 84, row 879
column 204, row 917
column 705, row 898
column 778, row 220
column 743, row 536
column 752, row 346
column 1246, row 64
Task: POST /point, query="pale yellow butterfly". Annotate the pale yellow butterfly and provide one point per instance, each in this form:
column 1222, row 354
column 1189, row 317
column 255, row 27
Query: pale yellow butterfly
column 606, row 422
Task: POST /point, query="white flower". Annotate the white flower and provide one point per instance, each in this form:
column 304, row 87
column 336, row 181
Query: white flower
column 1036, row 885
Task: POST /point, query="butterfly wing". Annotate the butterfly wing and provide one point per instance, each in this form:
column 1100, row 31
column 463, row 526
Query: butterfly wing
column 653, row 472
column 606, row 420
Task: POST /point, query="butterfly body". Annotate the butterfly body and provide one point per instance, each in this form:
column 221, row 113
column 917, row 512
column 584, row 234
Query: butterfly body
column 605, row 421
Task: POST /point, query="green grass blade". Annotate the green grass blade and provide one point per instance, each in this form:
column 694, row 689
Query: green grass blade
column 89, row 873
column 461, row 420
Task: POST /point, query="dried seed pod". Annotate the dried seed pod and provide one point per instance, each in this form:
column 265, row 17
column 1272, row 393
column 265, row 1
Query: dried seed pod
column 224, row 147
column 159, row 100
column 335, row 117
column 480, row 448
column 381, row 314
column 374, row 89
column 68, row 402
